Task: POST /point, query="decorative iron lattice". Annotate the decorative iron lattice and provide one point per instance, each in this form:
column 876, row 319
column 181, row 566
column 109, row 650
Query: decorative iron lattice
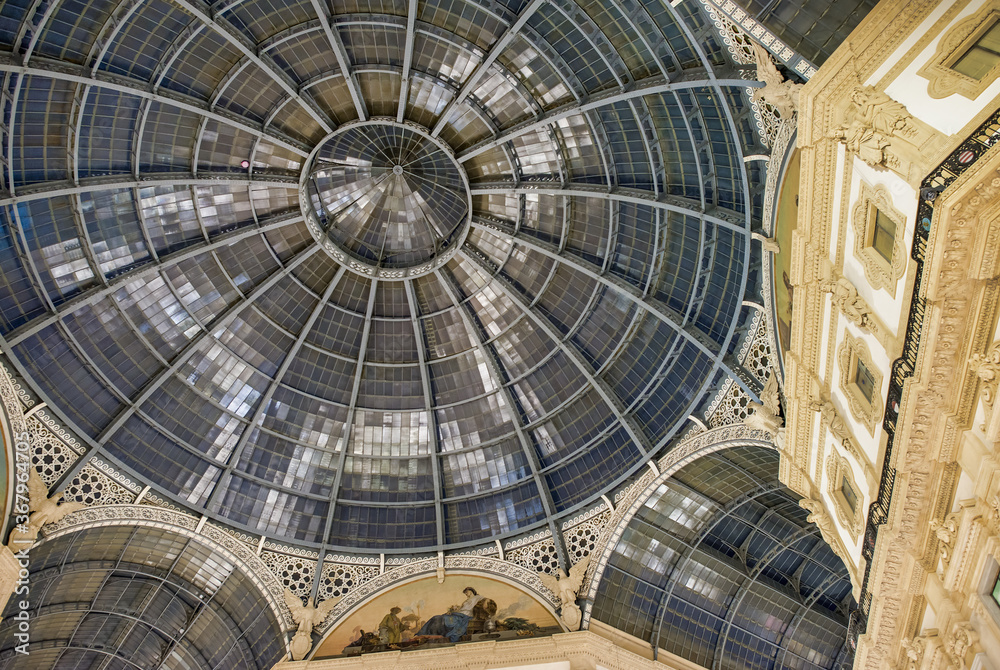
column 730, row 406
column 581, row 537
column 738, row 16
column 50, row 455
column 740, row 45
column 538, row 557
column 339, row 579
column 93, row 487
column 759, row 356
column 295, row 572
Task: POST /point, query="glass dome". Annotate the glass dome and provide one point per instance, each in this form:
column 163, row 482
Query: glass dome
column 373, row 274
column 387, row 196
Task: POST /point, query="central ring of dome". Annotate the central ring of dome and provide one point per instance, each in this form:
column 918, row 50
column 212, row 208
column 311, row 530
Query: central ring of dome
column 386, row 199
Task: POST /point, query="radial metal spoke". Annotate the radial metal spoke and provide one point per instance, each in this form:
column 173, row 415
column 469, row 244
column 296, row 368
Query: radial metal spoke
column 343, row 60
column 623, row 288
column 141, row 89
column 496, row 370
column 161, row 264
column 411, row 32
column 351, row 411
column 272, row 387
column 632, row 196
column 762, row 489
column 744, row 588
column 222, row 27
column 55, row 189
column 221, row 321
column 543, row 323
column 644, row 87
column 117, row 20
column 432, row 424
column 498, row 47
column 595, row 272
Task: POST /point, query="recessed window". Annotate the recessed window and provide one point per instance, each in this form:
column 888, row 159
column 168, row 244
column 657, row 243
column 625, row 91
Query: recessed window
column 883, row 235
column 879, row 229
column 850, row 495
column 844, row 492
column 861, row 382
column 996, row 590
column 864, row 379
column 984, row 54
column 967, row 58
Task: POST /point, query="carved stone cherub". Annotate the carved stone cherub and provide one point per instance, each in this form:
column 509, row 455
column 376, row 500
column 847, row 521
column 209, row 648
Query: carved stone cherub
column 766, row 414
column 819, row 516
column 847, row 300
column 877, row 128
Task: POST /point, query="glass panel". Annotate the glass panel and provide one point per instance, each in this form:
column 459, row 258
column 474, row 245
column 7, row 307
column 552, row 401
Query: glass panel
column 981, row 56
column 849, row 495
column 865, row 381
column 884, row 235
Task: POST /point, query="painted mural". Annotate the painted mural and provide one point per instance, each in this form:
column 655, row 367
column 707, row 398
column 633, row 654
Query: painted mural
column 786, row 222
column 424, row 614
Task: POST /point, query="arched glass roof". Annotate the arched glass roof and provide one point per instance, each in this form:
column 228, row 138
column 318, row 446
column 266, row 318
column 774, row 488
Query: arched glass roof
column 721, row 567
column 133, row 598
column 214, row 272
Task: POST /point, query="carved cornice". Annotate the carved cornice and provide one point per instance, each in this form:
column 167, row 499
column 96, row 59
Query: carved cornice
column 583, row 649
column 938, row 403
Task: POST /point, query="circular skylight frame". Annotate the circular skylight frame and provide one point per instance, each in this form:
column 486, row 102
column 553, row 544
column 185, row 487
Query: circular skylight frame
column 354, row 262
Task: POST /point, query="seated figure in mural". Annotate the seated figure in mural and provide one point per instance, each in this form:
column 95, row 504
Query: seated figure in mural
column 455, row 623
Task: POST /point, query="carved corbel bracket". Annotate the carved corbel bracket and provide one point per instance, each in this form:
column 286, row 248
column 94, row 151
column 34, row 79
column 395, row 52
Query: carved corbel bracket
column 855, row 308
column 768, row 244
column 913, row 653
column 882, row 133
column 961, row 643
column 987, row 367
column 946, row 531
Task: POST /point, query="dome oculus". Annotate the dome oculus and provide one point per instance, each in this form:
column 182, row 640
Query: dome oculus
column 386, row 199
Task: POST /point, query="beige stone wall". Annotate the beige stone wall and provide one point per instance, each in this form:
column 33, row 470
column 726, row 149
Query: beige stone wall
column 870, row 129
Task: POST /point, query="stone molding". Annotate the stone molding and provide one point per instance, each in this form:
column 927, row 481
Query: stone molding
column 879, row 272
column 938, row 399
column 830, row 419
column 942, row 79
column 837, row 469
column 583, row 649
column 938, row 404
column 851, row 351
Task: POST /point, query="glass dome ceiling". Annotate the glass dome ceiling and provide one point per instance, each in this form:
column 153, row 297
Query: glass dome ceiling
column 332, row 351
column 387, row 196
